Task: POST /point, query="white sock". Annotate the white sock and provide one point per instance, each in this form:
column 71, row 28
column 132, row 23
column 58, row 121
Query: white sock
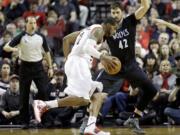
column 91, row 120
column 52, row 104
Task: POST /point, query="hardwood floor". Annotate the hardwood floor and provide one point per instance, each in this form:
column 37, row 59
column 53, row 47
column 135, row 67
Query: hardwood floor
column 114, row 131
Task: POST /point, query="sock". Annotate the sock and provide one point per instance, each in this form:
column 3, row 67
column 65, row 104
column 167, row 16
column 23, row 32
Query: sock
column 52, row 104
column 92, row 121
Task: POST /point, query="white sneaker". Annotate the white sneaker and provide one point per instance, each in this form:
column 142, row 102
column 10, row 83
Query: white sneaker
column 95, row 131
column 39, row 107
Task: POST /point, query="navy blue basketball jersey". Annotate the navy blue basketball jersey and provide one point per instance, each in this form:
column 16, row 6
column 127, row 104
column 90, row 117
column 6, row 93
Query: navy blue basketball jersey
column 122, row 43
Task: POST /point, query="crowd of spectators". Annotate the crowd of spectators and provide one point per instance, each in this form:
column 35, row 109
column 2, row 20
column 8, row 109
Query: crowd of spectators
column 157, row 52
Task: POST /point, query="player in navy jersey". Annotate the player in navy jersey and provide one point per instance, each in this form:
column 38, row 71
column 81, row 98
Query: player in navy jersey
column 122, row 45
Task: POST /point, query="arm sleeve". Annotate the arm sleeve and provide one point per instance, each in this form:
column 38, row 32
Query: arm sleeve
column 89, row 48
column 44, row 45
column 16, row 40
column 132, row 19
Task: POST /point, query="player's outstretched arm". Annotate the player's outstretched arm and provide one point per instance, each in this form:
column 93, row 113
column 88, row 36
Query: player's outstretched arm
column 68, row 41
column 169, row 25
column 141, row 11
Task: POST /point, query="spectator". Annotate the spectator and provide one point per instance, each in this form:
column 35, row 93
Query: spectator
column 7, row 36
column 40, row 16
column 15, row 9
column 150, row 66
column 173, row 110
column 20, row 22
column 165, row 54
column 11, row 27
column 144, row 33
column 174, row 47
column 163, row 39
column 67, row 11
column 5, row 75
column 176, row 70
column 56, row 86
column 2, row 23
column 165, row 83
column 55, row 29
column 43, row 5
column 161, row 8
column 166, row 79
column 176, row 12
column 9, row 108
column 84, row 11
column 154, row 49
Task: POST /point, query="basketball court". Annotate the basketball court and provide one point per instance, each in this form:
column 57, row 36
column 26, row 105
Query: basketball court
column 165, row 130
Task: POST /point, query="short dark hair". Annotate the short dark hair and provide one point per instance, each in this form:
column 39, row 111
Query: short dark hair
column 116, row 4
column 110, row 20
column 14, row 76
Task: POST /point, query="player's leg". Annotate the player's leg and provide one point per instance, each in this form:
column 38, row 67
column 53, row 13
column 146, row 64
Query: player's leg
column 96, row 102
column 41, row 106
column 139, row 79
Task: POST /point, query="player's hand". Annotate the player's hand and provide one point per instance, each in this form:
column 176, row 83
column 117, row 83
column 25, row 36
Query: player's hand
column 107, row 61
column 50, row 72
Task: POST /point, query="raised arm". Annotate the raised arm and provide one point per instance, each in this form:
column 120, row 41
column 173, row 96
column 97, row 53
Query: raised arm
column 68, row 41
column 141, row 11
column 172, row 26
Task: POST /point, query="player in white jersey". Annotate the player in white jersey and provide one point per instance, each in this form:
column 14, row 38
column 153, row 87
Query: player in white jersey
column 77, row 67
column 80, row 85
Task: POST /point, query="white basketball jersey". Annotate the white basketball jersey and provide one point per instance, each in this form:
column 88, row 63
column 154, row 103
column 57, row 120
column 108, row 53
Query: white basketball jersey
column 81, row 41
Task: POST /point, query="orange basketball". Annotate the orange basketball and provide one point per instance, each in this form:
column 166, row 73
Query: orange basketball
column 116, row 68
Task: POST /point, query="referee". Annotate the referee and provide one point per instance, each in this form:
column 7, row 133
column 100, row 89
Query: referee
column 31, row 46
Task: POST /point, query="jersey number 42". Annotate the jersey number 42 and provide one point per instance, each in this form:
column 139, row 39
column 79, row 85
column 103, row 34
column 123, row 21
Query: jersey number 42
column 123, row 44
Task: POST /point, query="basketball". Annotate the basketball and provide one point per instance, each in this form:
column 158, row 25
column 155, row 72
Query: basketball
column 116, row 68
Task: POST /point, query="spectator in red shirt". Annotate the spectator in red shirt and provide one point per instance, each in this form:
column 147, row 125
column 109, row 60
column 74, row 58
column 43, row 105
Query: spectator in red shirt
column 40, row 16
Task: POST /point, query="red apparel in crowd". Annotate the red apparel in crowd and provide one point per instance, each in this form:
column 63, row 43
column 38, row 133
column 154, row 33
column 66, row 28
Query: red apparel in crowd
column 40, row 17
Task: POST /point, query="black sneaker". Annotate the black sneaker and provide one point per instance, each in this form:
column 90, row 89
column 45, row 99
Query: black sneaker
column 25, row 126
column 134, row 124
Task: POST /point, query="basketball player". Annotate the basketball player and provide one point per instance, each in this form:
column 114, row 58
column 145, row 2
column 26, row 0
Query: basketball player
column 122, row 45
column 80, row 86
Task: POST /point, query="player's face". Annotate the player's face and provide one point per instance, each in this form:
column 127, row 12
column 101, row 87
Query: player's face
column 117, row 14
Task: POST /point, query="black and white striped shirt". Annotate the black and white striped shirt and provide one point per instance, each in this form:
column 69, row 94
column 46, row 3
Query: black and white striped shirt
column 3, row 86
column 31, row 46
